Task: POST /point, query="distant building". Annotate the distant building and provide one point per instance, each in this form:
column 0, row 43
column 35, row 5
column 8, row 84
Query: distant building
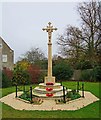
column 6, row 55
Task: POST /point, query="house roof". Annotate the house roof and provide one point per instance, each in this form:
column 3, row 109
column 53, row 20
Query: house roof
column 6, row 43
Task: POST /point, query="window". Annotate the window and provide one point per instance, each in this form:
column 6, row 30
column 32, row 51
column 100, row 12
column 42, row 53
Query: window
column 4, row 58
column 0, row 45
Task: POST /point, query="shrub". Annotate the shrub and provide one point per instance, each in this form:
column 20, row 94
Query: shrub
column 84, row 65
column 25, row 96
column 87, row 75
column 34, row 73
column 62, row 71
column 20, row 76
column 5, row 81
column 73, row 95
column 97, row 73
column 6, row 77
column 91, row 74
column 74, row 91
column 43, row 73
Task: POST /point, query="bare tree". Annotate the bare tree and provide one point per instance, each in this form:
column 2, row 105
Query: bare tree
column 90, row 13
column 71, row 42
column 34, row 55
column 86, row 40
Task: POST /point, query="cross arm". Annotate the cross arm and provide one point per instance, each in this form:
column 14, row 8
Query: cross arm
column 44, row 29
column 54, row 28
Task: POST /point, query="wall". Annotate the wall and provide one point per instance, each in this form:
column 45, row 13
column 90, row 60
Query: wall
column 7, row 55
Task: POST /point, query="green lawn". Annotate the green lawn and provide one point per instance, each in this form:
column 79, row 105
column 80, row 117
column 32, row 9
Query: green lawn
column 90, row 111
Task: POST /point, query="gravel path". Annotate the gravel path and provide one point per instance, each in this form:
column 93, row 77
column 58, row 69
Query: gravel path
column 49, row 104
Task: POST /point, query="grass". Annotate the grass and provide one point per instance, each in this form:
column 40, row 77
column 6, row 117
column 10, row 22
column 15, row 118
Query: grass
column 88, row 86
column 6, row 91
column 90, row 111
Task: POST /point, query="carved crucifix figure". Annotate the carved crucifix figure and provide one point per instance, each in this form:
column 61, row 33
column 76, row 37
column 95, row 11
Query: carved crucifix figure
column 49, row 29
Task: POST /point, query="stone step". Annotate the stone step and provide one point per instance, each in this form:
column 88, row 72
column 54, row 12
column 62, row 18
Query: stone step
column 57, row 94
column 38, row 89
column 44, row 86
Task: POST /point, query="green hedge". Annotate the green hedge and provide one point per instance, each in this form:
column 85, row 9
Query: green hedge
column 62, row 71
column 91, row 74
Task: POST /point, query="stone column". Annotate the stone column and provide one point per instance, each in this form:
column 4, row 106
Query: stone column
column 49, row 57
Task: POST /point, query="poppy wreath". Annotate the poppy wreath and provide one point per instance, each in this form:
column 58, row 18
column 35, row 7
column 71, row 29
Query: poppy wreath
column 49, row 89
column 49, row 83
column 49, row 94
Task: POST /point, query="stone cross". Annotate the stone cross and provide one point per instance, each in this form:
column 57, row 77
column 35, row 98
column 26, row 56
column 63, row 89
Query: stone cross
column 49, row 29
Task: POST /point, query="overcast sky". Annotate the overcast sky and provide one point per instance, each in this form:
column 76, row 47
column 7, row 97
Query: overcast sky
column 22, row 23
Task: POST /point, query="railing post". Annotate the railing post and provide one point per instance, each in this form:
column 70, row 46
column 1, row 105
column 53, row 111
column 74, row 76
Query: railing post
column 64, row 100
column 83, row 90
column 31, row 92
column 78, row 87
column 16, row 91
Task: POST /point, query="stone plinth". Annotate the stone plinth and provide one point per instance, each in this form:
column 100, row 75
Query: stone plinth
column 49, row 79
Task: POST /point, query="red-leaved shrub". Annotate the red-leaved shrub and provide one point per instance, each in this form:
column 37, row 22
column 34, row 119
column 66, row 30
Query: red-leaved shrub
column 34, row 73
column 8, row 72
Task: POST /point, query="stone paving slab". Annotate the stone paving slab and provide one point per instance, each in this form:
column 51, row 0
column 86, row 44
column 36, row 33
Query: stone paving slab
column 49, row 104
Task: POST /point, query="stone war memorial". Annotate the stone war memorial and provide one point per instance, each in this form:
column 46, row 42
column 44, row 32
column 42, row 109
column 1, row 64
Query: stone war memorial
column 50, row 95
column 49, row 88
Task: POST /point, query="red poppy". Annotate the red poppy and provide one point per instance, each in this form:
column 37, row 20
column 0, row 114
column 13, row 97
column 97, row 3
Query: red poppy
column 49, row 89
column 49, row 83
column 49, row 94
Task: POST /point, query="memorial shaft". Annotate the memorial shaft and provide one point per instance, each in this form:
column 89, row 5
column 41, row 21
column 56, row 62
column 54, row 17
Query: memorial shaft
column 49, row 57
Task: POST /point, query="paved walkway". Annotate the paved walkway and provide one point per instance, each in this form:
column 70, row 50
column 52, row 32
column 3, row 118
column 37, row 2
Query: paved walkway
column 49, row 104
